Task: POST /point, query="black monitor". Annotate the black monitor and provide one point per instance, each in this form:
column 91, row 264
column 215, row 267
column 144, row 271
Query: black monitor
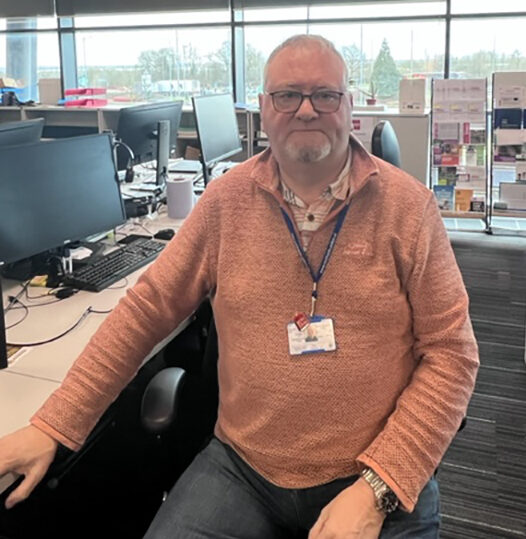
column 55, row 193
column 3, row 343
column 138, row 129
column 23, row 132
column 217, row 129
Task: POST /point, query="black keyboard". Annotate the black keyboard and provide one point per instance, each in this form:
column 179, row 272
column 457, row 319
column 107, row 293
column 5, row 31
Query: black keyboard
column 112, row 267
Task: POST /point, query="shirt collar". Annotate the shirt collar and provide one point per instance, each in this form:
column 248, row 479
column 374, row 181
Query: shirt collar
column 338, row 189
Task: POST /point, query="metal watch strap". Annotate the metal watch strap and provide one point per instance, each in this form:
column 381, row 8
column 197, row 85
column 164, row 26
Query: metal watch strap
column 386, row 499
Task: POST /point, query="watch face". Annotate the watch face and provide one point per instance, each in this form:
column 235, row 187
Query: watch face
column 388, row 502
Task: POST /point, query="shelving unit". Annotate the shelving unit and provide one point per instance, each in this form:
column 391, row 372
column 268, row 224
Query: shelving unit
column 507, row 190
column 459, row 148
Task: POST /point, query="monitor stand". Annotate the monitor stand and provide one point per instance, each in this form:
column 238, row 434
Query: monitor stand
column 163, row 151
column 3, row 340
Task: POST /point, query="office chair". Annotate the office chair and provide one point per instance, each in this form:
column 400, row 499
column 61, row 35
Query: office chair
column 179, row 404
column 384, row 143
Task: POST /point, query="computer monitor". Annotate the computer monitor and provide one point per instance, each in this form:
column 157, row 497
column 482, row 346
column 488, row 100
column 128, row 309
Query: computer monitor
column 55, row 193
column 138, row 129
column 52, row 194
column 23, row 132
column 217, row 129
column 3, row 343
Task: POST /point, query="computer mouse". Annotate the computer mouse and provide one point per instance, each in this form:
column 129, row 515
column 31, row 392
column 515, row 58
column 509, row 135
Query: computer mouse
column 164, row 234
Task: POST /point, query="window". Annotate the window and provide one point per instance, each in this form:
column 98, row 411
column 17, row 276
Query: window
column 377, row 9
column 502, row 49
column 156, row 64
column 260, row 41
column 27, row 56
column 486, row 6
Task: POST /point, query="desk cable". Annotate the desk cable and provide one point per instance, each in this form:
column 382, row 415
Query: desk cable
column 84, row 315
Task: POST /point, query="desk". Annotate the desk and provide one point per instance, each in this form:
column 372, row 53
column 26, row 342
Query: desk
column 37, row 371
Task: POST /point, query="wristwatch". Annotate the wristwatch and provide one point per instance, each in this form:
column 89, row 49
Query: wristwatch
column 386, row 499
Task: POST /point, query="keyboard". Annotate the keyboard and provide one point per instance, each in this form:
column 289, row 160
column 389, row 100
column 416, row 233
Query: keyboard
column 114, row 266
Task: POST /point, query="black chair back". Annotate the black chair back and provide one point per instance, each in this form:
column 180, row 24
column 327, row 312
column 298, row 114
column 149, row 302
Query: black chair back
column 384, row 143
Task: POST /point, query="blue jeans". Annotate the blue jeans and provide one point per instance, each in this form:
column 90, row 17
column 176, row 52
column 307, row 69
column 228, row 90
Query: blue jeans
column 219, row 496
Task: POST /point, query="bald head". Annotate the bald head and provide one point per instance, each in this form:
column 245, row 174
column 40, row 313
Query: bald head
column 306, row 41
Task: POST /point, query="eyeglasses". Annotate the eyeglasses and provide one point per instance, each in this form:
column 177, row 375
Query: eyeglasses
column 322, row 101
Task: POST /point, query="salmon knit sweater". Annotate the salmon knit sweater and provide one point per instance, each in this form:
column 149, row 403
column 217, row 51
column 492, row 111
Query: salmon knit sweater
column 390, row 397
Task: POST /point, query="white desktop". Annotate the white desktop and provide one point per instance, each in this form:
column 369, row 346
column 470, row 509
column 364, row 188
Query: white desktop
column 34, row 372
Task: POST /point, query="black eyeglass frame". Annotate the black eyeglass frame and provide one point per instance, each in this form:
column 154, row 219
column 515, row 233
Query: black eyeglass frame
column 303, row 97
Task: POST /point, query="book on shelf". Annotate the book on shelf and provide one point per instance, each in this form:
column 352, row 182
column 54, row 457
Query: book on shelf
column 508, row 118
column 477, row 204
column 445, row 195
column 477, row 135
column 446, row 153
column 472, row 178
column 447, row 175
column 509, row 153
column 446, row 131
column 463, row 199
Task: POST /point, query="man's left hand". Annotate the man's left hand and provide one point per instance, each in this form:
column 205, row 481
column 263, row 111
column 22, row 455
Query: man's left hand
column 352, row 513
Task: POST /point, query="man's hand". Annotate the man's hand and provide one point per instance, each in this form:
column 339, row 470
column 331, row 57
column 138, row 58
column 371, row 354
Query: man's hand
column 352, row 513
column 28, row 452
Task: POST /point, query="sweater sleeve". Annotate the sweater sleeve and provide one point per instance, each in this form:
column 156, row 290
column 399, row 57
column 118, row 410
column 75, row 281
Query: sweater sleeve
column 429, row 410
column 167, row 293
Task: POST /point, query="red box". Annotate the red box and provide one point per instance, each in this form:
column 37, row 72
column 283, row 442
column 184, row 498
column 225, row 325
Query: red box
column 85, row 102
column 85, row 91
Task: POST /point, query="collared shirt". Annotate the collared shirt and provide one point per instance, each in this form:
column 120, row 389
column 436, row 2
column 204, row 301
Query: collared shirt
column 309, row 217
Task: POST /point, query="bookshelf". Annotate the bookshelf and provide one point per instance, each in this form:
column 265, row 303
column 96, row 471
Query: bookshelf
column 459, row 147
column 507, row 192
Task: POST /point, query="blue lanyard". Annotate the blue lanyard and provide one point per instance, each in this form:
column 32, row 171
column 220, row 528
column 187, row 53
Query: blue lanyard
column 316, row 277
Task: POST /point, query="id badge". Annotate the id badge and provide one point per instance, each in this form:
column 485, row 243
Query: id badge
column 318, row 336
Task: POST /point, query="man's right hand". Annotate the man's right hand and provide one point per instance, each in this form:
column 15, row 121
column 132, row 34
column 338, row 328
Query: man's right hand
column 27, row 452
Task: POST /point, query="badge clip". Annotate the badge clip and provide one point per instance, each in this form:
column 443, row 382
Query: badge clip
column 302, row 321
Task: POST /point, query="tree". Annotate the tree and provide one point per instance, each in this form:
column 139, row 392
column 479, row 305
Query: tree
column 218, row 67
column 158, row 65
column 385, row 75
column 356, row 61
column 254, row 64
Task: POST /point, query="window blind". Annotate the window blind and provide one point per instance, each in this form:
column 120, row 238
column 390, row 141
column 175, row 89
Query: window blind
column 70, row 8
column 26, row 8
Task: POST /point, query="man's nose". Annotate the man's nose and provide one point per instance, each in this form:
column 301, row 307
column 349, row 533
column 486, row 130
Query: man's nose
column 306, row 110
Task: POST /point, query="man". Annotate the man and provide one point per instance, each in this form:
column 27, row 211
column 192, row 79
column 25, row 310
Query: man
column 341, row 435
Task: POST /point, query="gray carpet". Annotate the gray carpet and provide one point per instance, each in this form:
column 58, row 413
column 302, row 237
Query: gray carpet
column 483, row 475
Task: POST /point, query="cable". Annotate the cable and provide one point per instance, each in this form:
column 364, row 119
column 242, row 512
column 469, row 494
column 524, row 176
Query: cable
column 37, row 305
column 144, row 228
column 87, row 312
column 124, row 285
column 48, row 293
column 15, row 299
column 26, row 313
column 119, row 142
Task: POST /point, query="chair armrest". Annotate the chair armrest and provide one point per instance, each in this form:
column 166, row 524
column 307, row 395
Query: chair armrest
column 160, row 399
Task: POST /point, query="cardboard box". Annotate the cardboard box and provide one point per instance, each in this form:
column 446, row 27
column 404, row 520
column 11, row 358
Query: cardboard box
column 7, row 82
column 49, row 91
